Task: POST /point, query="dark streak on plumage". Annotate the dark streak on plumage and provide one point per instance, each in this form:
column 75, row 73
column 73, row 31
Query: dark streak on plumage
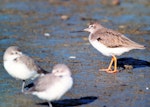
column 99, row 39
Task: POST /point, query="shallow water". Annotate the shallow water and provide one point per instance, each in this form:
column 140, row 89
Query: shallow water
column 24, row 23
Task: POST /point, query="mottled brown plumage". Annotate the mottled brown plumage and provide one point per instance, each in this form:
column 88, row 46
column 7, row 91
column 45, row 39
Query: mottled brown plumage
column 113, row 39
column 110, row 43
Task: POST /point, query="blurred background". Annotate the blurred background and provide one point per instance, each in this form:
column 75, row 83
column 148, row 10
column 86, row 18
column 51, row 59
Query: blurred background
column 43, row 30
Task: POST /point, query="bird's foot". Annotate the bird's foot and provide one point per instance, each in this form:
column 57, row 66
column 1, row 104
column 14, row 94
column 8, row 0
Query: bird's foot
column 50, row 105
column 109, row 70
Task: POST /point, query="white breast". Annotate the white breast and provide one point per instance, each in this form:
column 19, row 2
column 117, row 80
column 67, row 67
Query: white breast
column 108, row 51
column 18, row 70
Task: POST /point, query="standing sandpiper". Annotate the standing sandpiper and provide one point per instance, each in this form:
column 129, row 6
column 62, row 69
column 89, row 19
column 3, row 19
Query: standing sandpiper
column 110, row 43
column 21, row 66
column 52, row 86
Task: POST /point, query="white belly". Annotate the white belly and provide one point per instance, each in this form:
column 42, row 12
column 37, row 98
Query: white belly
column 18, row 71
column 56, row 91
column 108, row 51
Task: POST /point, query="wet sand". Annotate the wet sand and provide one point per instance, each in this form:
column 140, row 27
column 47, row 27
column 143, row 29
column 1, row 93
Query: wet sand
column 43, row 29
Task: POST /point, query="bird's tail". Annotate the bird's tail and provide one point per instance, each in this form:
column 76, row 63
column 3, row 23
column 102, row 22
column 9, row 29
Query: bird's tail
column 138, row 46
column 42, row 71
column 29, row 88
column 135, row 45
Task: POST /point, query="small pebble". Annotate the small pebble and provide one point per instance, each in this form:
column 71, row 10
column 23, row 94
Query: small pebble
column 122, row 27
column 85, row 38
column 72, row 57
column 64, row 17
column 147, row 88
column 128, row 67
column 116, row 2
column 46, row 34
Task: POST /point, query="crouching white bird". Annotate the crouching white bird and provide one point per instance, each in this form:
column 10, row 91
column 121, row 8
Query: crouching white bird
column 21, row 66
column 52, row 86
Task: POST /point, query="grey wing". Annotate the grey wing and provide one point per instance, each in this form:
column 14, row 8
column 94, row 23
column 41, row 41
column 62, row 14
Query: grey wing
column 113, row 39
column 31, row 64
column 44, row 82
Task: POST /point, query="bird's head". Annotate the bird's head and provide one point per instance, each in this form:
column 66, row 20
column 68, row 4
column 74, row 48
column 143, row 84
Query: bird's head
column 12, row 53
column 93, row 27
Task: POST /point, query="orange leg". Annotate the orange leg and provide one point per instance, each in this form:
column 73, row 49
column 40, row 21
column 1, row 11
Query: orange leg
column 109, row 70
column 110, row 65
column 115, row 64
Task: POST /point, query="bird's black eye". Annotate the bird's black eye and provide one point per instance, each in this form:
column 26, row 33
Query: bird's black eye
column 12, row 53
